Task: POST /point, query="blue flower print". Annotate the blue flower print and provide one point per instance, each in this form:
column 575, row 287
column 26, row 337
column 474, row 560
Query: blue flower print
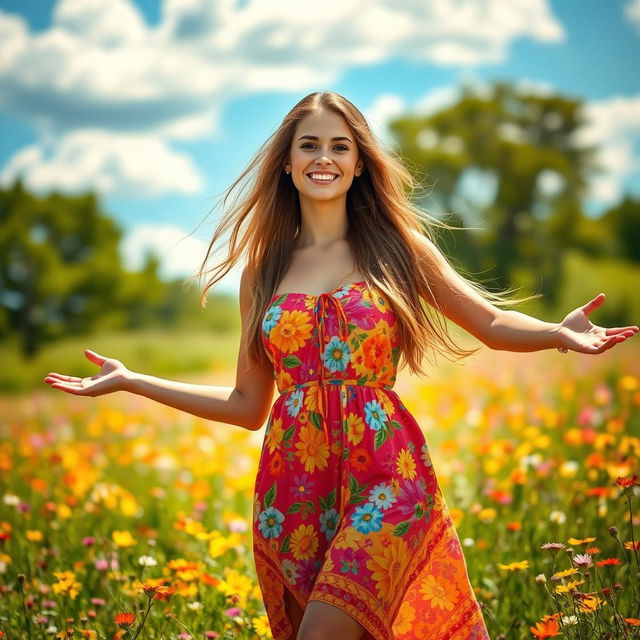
column 382, row 496
column 294, row 402
column 375, row 416
column 336, row 355
column 271, row 319
column 367, row 518
column 270, row 520
column 329, row 523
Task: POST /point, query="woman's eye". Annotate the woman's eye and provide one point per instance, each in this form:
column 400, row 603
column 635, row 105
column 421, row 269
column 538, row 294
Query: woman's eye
column 338, row 147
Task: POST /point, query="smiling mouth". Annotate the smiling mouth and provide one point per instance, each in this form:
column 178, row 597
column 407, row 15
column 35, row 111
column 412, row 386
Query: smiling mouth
column 321, row 178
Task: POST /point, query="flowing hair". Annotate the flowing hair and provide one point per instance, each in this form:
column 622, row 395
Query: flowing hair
column 262, row 213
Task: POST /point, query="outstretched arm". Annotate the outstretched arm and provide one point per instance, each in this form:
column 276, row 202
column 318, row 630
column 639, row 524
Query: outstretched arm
column 246, row 404
column 515, row 331
column 510, row 330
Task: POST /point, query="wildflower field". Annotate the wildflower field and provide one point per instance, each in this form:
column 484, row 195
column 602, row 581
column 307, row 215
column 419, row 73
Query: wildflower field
column 120, row 518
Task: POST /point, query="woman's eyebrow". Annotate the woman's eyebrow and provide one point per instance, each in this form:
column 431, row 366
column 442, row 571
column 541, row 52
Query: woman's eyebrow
column 316, row 138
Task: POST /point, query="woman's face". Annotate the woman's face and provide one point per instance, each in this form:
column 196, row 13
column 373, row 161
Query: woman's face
column 323, row 158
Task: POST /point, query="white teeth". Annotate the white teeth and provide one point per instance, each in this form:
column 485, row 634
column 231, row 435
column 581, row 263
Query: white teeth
column 322, row 176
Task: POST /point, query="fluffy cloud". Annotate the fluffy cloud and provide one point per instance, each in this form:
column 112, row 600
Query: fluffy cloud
column 112, row 163
column 614, row 126
column 100, row 66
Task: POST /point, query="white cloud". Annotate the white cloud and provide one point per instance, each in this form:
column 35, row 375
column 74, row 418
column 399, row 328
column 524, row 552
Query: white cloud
column 614, row 126
column 132, row 165
column 100, row 66
column 385, row 107
column 180, row 254
column 632, row 13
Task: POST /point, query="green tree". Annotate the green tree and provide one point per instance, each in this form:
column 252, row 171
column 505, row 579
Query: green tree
column 519, row 149
column 60, row 270
column 624, row 222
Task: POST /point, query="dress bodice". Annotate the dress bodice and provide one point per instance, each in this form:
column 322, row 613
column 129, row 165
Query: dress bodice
column 345, row 334
column 343, row 337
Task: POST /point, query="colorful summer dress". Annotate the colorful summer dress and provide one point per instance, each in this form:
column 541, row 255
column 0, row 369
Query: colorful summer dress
column 347, row 508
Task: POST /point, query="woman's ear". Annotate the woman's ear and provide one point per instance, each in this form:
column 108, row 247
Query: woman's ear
column 287, row 167
column 359, row 170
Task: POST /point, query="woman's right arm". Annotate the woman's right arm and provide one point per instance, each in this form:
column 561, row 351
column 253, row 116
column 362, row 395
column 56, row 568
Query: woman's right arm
column 247, row 404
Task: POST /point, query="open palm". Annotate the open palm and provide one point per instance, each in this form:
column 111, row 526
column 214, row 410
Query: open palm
column 580, row 334
column 108, row 379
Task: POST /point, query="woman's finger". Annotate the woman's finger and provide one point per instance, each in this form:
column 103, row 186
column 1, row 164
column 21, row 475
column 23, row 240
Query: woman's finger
column 614, row 330
column 94, row 357
column 69, row 388
column 593, row 304
column 59, row 376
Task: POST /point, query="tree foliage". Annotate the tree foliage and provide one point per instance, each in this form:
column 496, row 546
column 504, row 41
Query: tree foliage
column 506, row 160
column 61, row 272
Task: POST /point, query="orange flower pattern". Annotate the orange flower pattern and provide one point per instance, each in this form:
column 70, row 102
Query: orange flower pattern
column 347, row 507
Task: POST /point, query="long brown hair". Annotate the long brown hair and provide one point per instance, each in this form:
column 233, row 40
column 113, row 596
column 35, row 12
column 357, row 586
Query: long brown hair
column 264, row 218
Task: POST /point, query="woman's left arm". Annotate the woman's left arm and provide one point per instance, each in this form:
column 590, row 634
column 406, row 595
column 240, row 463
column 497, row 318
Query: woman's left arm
column 515, row 331
column 510, row 330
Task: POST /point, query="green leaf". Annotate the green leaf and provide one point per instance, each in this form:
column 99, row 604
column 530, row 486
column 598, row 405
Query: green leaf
column 295, row 507
column 285, row 544
column 288, row 433
column 381, row 437
column 291, row 361
column 270, row 496
column 322, row 503
column 316, row 420
column 331, row 499
column 402, row 528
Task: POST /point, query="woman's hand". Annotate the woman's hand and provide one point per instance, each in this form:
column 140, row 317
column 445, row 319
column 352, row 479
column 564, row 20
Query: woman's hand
column 111, row 377
column 579, row 334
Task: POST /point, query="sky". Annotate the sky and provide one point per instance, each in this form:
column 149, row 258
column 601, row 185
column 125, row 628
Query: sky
column 159, row 105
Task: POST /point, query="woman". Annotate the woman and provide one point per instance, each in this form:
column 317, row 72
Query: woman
column 352, row 536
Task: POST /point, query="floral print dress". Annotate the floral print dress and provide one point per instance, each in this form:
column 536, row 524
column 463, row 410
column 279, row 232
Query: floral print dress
column 347, row 508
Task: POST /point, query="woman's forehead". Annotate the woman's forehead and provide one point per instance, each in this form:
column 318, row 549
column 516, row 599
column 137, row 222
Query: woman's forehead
column 323, row 123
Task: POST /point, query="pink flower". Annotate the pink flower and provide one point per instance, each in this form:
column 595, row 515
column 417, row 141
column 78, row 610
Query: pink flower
column 234, row 611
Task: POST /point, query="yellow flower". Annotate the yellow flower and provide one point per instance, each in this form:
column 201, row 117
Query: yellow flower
column 304, row 542
column 292, row 331
column 348, row 538
column 570, row 586
column 580, row 540
column 441, row 594
column 236, row 583
column 123, row 538
column 514, row 566
column 66, row 584
column 355, row 428
column 34, row 535
column 262, row 627
column 487, row 515
column 312, row 449
column 406, row 616
column 405, row 464
column 564, row 574
column 589, row 604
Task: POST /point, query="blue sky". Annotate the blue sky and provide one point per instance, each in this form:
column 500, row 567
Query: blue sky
column 158, row 106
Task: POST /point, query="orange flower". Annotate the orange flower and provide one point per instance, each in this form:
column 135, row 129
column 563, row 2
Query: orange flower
column 633, row 621
column 607, row 561
column 627, row 482
column 153, row 588
column 124, row 620
column 360, row 459
column 548, row 628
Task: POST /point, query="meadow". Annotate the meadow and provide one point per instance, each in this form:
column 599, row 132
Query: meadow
column 121, row 518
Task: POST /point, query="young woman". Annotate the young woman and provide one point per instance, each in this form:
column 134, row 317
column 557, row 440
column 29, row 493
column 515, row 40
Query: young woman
column 352, row 536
